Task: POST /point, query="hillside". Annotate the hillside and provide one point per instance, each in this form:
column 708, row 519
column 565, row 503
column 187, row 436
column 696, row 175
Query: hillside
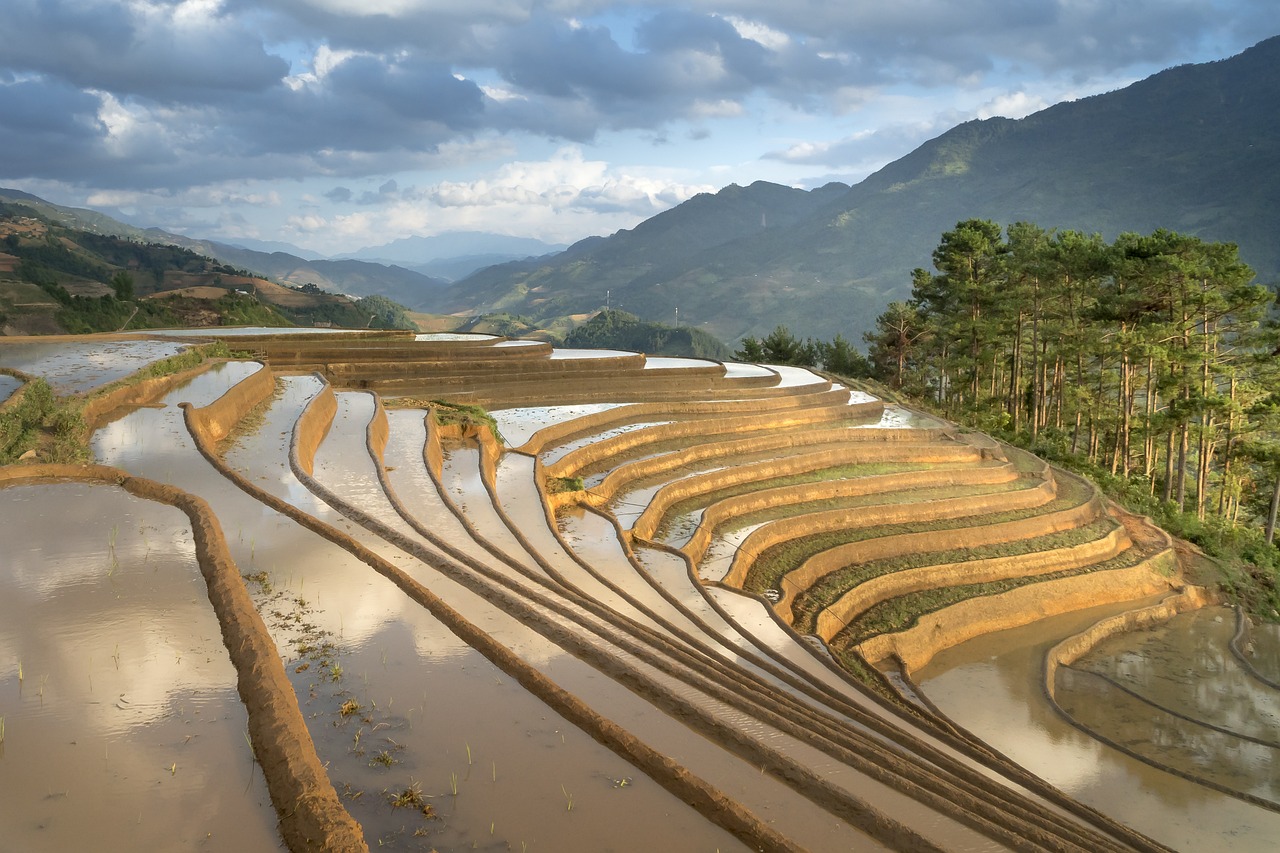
column 1194, row 149
column 55, row 278
column 354, row 277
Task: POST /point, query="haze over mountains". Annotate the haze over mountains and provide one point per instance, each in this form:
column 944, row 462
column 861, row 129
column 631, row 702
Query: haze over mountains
column 1194, row 149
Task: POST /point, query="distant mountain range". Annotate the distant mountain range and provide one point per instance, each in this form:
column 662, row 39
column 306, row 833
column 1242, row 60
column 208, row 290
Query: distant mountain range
column 1194, row 149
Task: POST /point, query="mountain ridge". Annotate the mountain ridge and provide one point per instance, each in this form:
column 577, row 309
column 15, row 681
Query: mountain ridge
column 1193, row 148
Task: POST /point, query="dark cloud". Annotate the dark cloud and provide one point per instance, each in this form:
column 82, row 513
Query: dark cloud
column 339, row 195
column 170, row 94
column 49, row 129
column 159, row 54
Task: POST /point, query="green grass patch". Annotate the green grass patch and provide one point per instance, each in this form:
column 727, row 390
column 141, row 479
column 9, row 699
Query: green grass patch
column 463, row 414
column 903, row 612
column 776, row 561
column 822, row 594
column 560, row 485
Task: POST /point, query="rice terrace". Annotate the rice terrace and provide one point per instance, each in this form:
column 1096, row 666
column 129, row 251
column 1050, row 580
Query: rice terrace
column 345, row 590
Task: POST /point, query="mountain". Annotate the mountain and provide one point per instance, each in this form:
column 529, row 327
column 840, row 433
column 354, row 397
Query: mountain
column 270, row 246
column 356, row 278
column 56, row 278
column 1194, row 148
column 410, row 251
column 628, row 269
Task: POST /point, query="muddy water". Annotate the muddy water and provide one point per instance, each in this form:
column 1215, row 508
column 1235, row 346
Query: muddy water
column 156, row 439
column 792, row 377
column 8, row 384
column 559, row 451
column 426, row 700
column 73, row 367
column 991, row 686
column 453, row 336
column 1263, row 650
column 123, row 728
column 1177, row 696
column 715, row 564
column 653, row 362
column 518, row 425
column 241, row 331
column 742, row 371
column 561, row 352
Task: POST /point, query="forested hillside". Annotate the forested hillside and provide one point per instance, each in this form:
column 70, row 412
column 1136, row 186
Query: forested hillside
column 1149, row 361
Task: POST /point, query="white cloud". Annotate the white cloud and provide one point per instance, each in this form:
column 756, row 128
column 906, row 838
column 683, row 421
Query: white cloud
column 1012, row 105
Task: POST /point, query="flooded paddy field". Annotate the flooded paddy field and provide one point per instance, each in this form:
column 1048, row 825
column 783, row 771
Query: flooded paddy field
column 122, row 725
column 991, row 686
column 478, row 661
column 73, row 367
column 8, row 384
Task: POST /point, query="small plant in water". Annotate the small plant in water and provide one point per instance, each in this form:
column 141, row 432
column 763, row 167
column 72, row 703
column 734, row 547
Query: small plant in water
column 568, row 799
column 410, row 797
column 349, row 707
column 382, row 758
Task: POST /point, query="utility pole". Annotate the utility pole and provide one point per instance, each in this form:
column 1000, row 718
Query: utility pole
column 677, row 318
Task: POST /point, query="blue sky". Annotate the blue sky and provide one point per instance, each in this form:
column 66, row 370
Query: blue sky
column 338, row 124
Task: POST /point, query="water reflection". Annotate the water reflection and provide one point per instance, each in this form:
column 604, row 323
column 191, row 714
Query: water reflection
column 991, row 686
column 123, row 728
column 74, row 367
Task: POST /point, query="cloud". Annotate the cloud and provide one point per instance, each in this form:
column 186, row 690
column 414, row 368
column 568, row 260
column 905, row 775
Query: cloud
column 166, row 97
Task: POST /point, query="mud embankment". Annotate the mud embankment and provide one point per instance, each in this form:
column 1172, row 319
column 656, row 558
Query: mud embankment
column 310, row 815
column 717, row 427
column 717, row 512
column 1077, row 646
column 216, row 420
column 585, row 425
column 866, row 595
column 880, row 547
column 974, row 617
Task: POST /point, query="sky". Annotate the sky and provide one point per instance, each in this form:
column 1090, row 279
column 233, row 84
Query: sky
column 340, row 124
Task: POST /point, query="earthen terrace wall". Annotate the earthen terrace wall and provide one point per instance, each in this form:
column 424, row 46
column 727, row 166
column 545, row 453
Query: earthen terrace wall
column 218, row 418
column 975, row 617
column 703, row 484
column 616, row 445
column 832, row 619
column 878, row 515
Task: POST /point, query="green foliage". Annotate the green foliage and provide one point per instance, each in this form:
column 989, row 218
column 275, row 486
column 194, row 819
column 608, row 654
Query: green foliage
column 620, row 330
column 21, row 420
column 1143, row 363
column 557, row 485
column 463, row 414
column 386, row 314
column 122, row 284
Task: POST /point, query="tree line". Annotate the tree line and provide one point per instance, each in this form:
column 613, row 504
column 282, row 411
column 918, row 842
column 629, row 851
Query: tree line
column 1152, row 357
column 1151, row 362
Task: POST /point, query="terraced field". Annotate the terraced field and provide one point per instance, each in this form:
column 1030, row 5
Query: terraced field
column 670, row 605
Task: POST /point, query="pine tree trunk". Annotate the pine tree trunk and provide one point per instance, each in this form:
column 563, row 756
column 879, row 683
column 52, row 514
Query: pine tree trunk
column 1271, row 516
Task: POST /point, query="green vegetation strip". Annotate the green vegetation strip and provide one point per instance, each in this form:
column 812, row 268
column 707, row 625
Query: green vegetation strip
column 822, row 475
column 56, row 425
column 776, row 561
column 903, row 612
column 450, row 414
column 816, row 598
